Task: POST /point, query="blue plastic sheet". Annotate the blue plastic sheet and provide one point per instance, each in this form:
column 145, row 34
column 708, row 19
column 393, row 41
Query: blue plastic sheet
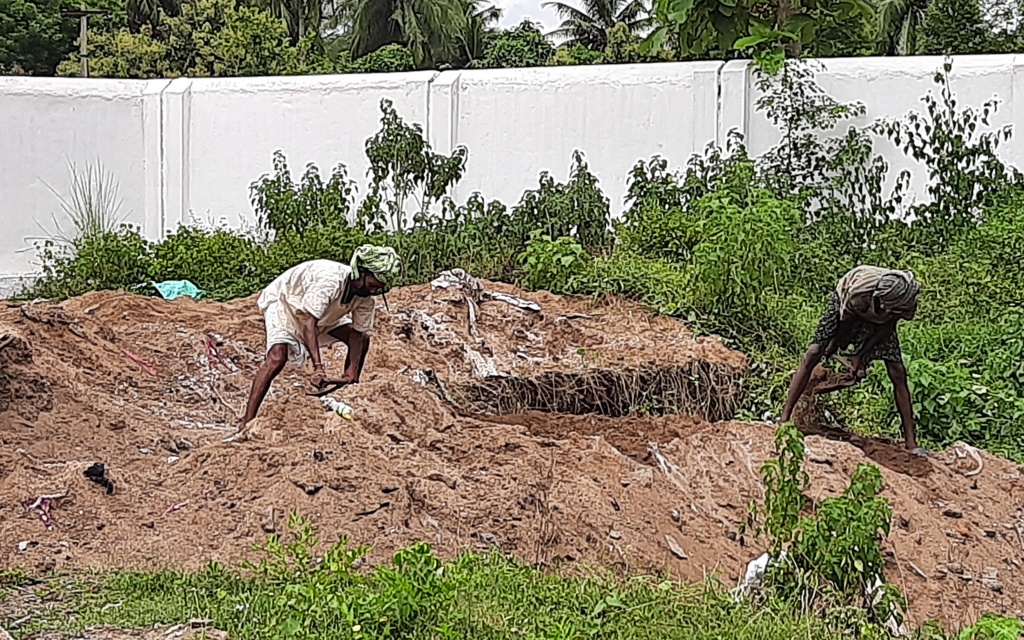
column 172, row 289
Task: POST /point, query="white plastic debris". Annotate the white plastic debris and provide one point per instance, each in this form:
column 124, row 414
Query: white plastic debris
column 515, row 301
column 460, row 279
column 875, row 594
column 755, row 571
column 420, row 377
column 340, row 408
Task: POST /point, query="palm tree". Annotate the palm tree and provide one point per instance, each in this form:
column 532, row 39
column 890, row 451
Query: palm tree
column 142, row 12
column 899, row 22
column 589, row 24
column 480, row 29
column 429, row 28
column 299, row 16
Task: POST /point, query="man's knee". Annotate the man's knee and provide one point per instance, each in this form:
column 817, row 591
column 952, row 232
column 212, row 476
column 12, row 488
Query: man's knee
column 342, row 333
column 277, row 357
column 814, row 354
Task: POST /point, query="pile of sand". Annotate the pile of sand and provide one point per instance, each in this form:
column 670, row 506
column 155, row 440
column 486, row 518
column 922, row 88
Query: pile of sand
column 495, row 466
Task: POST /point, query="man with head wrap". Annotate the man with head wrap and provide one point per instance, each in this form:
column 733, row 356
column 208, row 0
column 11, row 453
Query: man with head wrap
column 314, row 305
column 863, row 312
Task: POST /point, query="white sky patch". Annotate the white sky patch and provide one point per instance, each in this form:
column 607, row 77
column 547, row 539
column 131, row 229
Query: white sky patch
column 517, row 10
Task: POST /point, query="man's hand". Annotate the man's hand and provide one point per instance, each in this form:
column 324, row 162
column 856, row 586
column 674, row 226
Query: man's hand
column 857, row 367
column 318, row 378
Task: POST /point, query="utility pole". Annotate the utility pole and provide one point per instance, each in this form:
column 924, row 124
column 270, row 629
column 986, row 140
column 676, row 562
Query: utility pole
column 83, row 33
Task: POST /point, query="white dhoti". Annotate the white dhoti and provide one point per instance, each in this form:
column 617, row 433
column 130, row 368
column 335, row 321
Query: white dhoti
column 312, row 288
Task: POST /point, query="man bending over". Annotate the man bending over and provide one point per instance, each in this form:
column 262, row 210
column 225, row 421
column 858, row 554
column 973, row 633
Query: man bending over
column 863, row 311
column 314, row 305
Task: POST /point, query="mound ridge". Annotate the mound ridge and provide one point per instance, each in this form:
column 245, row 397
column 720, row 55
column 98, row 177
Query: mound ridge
column 587, row 432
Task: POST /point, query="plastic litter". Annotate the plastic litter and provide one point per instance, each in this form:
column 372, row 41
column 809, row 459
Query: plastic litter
column 173, row 289
column 98, row 473
column 340, row 408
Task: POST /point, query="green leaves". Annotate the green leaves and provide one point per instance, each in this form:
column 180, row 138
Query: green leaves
column 679, row 10
column 552, row 265
column 429, row 29
column 209, row 38
column 993, row 626
column 716, row 27
column 282, row 206
column 33, row 35
column 523, row 46
column 403, row 167
column 833, row 557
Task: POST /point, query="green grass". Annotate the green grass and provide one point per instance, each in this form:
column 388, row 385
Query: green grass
column 300, row 589
column 491, row 597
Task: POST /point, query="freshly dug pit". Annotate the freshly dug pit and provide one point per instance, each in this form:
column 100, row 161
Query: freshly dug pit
column 701, row 389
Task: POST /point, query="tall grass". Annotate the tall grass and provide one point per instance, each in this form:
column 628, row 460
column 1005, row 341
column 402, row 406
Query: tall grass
column 93, row 205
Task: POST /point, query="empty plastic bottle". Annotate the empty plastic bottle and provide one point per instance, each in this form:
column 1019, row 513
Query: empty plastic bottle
column 340, row 408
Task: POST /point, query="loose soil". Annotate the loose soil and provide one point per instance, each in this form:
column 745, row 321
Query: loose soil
column 628, row 491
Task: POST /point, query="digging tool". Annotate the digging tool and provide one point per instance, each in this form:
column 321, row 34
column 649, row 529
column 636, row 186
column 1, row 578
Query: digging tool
column 838, row 383
column 830, row 385
column 330, row 385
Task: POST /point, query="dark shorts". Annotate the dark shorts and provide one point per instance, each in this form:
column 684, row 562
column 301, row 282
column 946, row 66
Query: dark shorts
column 828, row 326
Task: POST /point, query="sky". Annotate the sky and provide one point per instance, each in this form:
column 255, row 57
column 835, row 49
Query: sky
column 517, row 10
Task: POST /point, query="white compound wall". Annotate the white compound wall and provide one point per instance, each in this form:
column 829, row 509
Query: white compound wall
column 189, row 149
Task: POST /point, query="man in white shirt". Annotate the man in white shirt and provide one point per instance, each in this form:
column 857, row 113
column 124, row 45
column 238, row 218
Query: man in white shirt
column 863, row 311
column 316, row 304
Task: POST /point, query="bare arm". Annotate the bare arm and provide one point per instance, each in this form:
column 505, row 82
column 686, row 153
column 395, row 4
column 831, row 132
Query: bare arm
column 309, row 336
column 358, row 346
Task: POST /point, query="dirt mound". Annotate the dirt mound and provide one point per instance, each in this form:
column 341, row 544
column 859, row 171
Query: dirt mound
column 149, row 388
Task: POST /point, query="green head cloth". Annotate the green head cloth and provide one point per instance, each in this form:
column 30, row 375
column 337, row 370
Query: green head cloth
column 382, row 261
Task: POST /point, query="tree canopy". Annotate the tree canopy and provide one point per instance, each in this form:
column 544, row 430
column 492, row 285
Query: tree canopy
column 169, row 38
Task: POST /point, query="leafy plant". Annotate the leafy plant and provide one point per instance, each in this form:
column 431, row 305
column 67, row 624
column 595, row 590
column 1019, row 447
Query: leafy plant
column 209, row 38
column 552, row 264
column 403, row 167
column 522, row 46
column 719, row 28
column 577, row 209
column 993, row 626
column 33, row 35
column 964, row 171
column 282, row 206
column 832, row 558
column 784, row 482
column 97, row 262
column 388, row 59
column 430, row 29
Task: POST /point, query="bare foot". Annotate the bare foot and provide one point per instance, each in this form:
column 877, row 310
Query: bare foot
column 237, row 435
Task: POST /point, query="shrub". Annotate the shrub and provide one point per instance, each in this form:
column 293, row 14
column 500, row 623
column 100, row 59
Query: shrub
column 404, row 167
column 830, row 559
column 221, row 263
column 552, row 264
column 523, row 46
column 282, row 206
column 96, row 262
column 388, row 59
column 209, row 38
column 577, row 209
